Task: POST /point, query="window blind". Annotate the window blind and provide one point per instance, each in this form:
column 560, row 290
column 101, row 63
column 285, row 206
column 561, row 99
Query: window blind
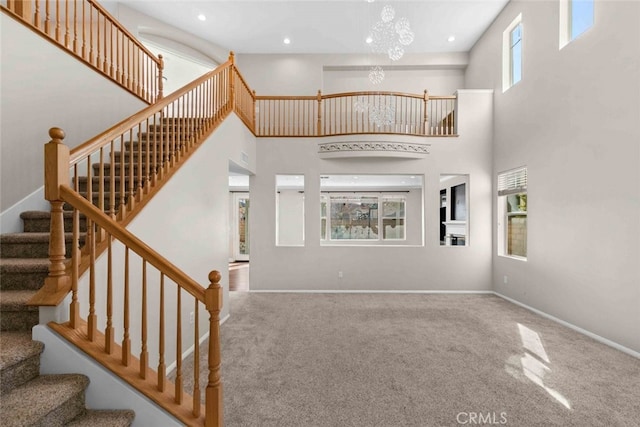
column 512, row 182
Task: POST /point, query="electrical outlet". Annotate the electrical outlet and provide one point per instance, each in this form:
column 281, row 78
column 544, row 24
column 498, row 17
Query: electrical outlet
column 506, row 279
column 192, row 318
column 339, row 274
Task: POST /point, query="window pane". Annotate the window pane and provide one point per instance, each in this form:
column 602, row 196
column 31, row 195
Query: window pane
column 516, row 54
column 393, row 218
column 517, row 224
column 354, row 218
column 581, row 17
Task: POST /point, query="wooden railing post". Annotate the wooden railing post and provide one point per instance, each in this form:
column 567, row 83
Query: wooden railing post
column 319, row 113
column 24, row 9
column 253, row 106
column 213, row 394
column 426, row 114
column 56, row 173
column 160, row 81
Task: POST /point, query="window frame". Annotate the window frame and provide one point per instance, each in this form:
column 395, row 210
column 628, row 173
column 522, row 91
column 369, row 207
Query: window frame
column 507, row 54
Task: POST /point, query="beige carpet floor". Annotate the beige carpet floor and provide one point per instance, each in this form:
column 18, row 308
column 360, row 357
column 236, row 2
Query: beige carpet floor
column 415, row 360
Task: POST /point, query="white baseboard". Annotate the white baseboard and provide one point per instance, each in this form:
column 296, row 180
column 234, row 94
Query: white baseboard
column 343, row 291
column 574, row 327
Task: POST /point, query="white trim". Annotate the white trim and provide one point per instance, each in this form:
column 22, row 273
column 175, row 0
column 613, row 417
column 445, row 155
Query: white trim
column 224, row 319
column 346, row 291
column 574, row 327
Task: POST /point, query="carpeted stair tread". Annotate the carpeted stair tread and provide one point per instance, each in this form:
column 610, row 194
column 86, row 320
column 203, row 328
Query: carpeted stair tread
column 48, row 400
column 104, row 418
column 19, row 359
column 16, row 300
column 16, row 346
column 35, row 237
column 23, row 273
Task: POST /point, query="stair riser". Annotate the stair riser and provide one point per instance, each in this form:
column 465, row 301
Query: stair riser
column 64, row 413
column 127, row 168
column 158, row 157
column 22, row 320
column 18, row 374
column 31, row 281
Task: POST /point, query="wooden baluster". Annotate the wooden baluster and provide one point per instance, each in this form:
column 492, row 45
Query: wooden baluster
column 154, row 169
column 90, row 33
column 47, row 18
column 109, row 337
column 123, row 189
column 92, row 320
column 319, row 133
column 129, row 81
column 105, row 63
column 84, row 32
column 132, row 184
column 66, row 24
column 75, row 27
column 57, row 31
column 98, row 41
column 196, row 361
column 426, row 116
column 112, row 180
column 118, row 56
column 160, row 78
column 232, row 59
column 111, row 68
column 126, row 341
column 36, row 18
column 213, row 394
column 253, row 112
column 56, row 173
column 74, row 308
column 147, row 165
column 139, row 170
column 162, row 368
column 100, row 231
column 178, row 389
column 144, row 354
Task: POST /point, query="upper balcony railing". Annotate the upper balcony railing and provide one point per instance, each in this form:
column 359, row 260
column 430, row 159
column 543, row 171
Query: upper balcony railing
column 355, row 113
column 89, row 32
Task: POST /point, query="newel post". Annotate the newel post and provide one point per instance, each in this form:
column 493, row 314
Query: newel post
column 160, row 78
column 319, row 112
column 426, row 114
column 56, row 173
column 213, row 394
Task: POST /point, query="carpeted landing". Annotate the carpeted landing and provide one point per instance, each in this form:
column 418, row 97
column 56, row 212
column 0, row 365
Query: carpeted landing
column 414, row 360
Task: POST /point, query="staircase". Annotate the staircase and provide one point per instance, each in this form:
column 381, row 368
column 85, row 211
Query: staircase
column 28, row 398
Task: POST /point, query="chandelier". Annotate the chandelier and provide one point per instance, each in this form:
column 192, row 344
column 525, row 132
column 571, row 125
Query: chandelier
column 389, row 36
column 381, row 111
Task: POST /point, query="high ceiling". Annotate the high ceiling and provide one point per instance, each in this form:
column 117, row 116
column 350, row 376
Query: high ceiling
column 337, row 26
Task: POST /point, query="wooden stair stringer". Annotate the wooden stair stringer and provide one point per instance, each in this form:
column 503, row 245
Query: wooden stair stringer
column 131, row 374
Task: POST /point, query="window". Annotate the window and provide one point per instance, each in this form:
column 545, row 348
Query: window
column 371, row 210
column 576, row 17
column 512, row 54
column 512, row 213
column 357, row 217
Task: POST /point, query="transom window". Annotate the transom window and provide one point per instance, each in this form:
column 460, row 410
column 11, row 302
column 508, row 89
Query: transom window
column 576, row 17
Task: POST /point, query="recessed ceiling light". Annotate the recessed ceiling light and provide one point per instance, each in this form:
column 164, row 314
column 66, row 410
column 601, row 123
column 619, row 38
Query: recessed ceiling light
column 202, row 17
column 368, row 40
column 286, row 40
column 451, row 38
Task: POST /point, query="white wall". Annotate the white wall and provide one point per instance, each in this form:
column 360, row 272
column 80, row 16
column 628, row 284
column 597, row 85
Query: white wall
column 305, row 74
column 573, row 121
column 43, row 87
column 428, row 267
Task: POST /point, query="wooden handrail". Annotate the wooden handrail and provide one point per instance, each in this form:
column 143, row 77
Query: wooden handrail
column 137, row 245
